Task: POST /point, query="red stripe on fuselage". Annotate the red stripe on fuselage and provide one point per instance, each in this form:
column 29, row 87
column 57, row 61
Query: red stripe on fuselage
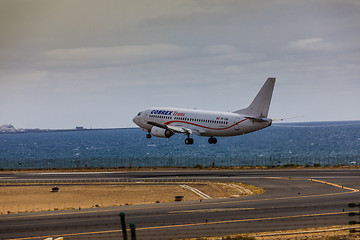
column 167, row 123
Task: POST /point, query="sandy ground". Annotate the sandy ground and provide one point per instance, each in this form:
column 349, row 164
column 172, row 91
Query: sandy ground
column 323, row 233
column 15, row 199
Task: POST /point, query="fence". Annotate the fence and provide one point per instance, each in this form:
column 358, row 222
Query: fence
column 102, row 180
column 119, row 162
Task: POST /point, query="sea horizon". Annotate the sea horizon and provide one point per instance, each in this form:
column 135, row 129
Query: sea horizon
column 303, row 143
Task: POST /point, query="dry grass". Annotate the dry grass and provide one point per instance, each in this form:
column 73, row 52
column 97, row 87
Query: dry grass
column 322, row 233
column 16, row 199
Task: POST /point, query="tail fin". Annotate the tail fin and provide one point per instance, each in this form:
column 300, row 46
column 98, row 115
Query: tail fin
column 261, row 103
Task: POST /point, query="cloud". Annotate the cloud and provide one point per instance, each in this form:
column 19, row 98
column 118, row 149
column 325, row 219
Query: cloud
column 310, row 44
column 140, row 53
column 129, row 56
column 110, row 56
column 220, row 49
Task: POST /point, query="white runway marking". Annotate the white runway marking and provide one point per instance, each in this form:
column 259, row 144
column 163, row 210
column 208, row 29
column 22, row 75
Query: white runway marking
column 213, row 210
column 196, row 191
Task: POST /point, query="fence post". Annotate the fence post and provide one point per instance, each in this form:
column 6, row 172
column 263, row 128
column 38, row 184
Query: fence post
column 123, row 226
column 133, row 232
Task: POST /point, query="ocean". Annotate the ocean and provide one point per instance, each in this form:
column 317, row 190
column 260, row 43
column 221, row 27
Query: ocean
column 312, row 143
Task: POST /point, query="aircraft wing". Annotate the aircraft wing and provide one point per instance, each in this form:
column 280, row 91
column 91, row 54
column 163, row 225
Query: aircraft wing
column 179, row 129
column 176, row 129
column 198, row 132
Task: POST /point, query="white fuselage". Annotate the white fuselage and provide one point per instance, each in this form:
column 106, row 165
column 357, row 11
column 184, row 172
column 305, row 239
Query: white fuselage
column 201, row 122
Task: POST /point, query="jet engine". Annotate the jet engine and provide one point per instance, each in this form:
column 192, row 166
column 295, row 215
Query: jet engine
column 161, row 132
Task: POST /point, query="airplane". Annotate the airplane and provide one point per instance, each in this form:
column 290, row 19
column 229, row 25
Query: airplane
column 164, row 122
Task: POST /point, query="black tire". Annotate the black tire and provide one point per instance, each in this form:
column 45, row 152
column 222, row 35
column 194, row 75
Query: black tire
column 212, row 140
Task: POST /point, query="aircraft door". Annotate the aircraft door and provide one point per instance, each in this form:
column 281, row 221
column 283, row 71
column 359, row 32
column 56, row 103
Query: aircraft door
column 236, row 123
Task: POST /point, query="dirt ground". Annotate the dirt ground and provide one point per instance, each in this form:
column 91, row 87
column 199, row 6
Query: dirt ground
column 15, row 199
column 323, row 233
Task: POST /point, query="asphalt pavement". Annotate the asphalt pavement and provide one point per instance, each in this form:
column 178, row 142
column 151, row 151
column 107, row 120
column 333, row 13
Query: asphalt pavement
column 293, row 199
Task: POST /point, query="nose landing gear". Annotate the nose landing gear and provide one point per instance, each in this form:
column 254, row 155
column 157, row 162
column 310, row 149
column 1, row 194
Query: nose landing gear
column 148, row 135
column 212, row 140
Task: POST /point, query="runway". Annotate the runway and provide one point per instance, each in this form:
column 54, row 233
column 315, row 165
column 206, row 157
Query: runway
column 292, row 199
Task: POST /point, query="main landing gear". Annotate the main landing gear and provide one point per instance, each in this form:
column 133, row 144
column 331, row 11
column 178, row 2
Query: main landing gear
column 189, row 140
column 212, row 140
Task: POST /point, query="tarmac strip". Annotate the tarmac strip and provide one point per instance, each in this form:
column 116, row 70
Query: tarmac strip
column 333, row 184
column 351, row 190
column 319, row 181
column 186, row 225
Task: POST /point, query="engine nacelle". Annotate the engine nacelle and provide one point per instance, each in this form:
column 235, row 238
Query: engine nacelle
column 161, row 132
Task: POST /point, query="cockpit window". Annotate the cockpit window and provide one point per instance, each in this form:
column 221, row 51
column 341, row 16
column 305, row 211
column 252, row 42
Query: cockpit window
column 139, row 114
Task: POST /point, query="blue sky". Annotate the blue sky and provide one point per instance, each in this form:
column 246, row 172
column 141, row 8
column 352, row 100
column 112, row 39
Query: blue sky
column 67, row 63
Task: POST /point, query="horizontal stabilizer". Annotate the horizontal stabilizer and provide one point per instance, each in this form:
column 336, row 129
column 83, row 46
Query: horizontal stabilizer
column 256, row 119
column 286, row 118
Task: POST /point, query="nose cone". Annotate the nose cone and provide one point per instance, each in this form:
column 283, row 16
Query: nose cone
column 136, row 120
